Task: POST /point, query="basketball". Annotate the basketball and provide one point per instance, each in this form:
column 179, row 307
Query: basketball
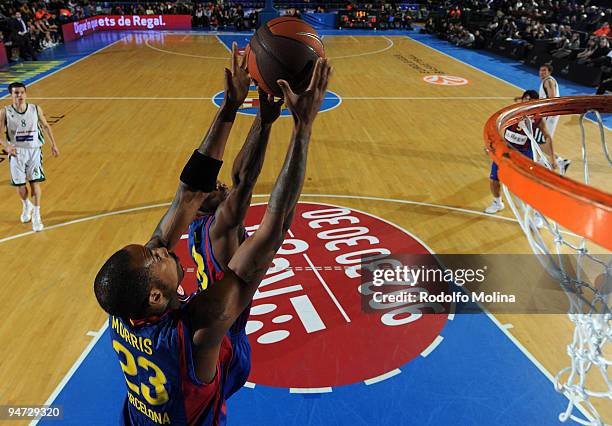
column 284, row 48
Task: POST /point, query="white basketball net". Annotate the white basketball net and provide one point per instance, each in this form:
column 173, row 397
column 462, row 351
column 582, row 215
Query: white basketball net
column 587, row 283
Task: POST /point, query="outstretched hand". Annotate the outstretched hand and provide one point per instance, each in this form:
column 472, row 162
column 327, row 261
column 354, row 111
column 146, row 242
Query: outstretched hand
column 269, row 109
column 237, row 79
column 305, row 106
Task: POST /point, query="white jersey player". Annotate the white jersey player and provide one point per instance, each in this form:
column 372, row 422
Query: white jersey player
column 23, row 125
column 549, row 88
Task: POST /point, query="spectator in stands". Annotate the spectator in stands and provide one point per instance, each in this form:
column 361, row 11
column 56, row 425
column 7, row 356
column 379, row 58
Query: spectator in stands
column 587, row 52
column 207, row 15
column 45, row 33
column 430, row 26
column 407, row 20
column 238, row 13
column 494, row 25
column 554, row 32
column 467, row 39
column 252, row 19
column 26, row 12
column 575, row 41
column 294, row 12
column 198, row 16
column 567, row 47
column 454, row 33
column 554, row 27
column 54, row 26
column 605, row 84
column 600, row 55
column 479, row 40
column 214, row 19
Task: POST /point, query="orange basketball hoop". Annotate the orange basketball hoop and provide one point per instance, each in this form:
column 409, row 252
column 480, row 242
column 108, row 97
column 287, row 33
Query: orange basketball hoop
column 580, row 208
column 544, row 203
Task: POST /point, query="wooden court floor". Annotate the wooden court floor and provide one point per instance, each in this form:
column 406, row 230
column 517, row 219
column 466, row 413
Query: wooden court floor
column 131, row 115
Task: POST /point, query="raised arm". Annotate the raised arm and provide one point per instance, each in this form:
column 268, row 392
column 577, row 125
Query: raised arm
column 189, row 197
column 237, row 83
column 213, row 311
column 245, row 171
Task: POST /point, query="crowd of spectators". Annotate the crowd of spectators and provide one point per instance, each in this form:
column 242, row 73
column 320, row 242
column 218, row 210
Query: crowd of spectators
column 28, row 27
column 577, row 32
column 376, row 15
column 210, row 15
column 573, row 31
column 223, row 16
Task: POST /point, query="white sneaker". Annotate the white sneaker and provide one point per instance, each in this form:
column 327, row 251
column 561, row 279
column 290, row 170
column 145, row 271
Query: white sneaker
column 26, row 212
column 563, row 164
column 495, row 207
column 37, row 224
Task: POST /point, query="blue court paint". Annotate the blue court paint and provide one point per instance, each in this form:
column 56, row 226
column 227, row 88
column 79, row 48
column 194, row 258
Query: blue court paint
column 91, row 395
column 241, row 40
column 251, row 103
column 509, row 70
column 476, row 376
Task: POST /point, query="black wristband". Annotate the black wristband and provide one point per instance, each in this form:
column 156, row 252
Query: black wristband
column 201, row 172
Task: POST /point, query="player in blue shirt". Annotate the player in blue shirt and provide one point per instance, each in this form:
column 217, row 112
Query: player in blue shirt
column 181, row 361
column 516, row 137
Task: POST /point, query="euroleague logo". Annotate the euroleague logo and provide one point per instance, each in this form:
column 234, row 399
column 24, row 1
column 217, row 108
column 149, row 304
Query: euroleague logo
column 307, row 327
column 250, row 105
column 445, row 80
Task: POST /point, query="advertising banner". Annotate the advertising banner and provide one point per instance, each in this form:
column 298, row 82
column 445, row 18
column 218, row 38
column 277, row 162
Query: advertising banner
column 78, row 29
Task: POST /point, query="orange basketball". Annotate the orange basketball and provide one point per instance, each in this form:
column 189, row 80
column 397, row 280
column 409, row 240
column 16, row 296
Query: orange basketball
column 284, row 48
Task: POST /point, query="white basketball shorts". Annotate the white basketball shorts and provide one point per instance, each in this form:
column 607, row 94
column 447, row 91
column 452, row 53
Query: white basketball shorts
column 26, row 166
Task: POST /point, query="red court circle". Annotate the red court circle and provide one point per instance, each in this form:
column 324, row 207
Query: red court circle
column 308, row 327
